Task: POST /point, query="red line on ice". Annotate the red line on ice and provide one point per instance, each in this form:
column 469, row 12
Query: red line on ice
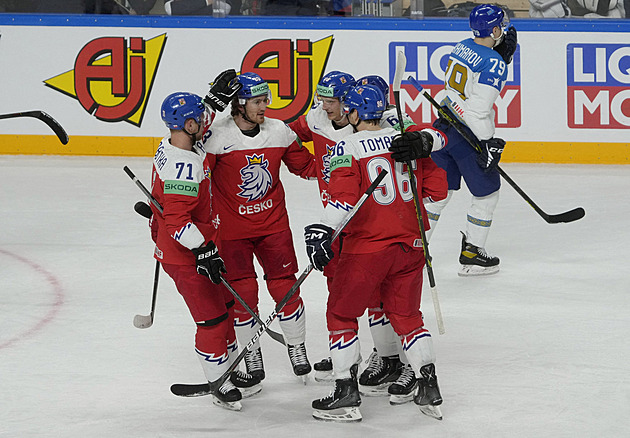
column 55, row 306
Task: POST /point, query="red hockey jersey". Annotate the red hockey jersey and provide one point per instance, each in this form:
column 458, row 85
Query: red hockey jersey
column 317, row 127
column 246, row 187
column 388, row 216
column 181, row 184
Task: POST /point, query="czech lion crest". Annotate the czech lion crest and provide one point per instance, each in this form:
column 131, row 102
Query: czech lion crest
column 256, row 178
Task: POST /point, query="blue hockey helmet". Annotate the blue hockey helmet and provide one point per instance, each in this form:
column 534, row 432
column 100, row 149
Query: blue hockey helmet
column 484, row 18
column 252, row 86
column 179, row 107
column 335, row 84
column 378, row 82
column 368, row 100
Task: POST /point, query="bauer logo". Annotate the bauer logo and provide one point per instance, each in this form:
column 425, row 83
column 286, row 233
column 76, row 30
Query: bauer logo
column 598, row 82
column 292, row 69
column 427, row 62
column 113, row 76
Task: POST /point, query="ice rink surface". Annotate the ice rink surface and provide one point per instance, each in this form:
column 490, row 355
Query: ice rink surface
column 539, row 350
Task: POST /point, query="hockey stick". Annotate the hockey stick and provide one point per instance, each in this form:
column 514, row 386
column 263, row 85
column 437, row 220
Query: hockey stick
column 274, row 335
column 146, row 321
column 568, row 216
column 212, row 387
column 401, row 63
column 44, row 117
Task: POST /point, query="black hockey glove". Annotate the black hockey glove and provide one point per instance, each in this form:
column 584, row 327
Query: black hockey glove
column 507, row 47
column 411, row 146
column 209, row 262
column 222, row 91
column 318, row 238
column 490, row 153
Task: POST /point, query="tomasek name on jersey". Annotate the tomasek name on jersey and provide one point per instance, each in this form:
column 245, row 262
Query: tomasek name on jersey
column 376, row 144
column 181, row 188
column 255, row 208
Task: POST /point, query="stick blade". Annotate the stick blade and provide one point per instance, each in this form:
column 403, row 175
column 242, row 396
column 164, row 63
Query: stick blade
column 569, row 216
column 190, row 390
column 401, row 64
column 276, row 336
column 55, row 126
column 143, row 209
column 142, row 321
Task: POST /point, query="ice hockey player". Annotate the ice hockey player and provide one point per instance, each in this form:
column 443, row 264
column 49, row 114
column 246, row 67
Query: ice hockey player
column 387, row 371
column 325, row 125
column 245, row 152
column 185, row 234
column 382, row 253
column 476, row 73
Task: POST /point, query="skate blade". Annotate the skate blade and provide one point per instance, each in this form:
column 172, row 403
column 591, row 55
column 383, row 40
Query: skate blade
column 252, row 390
column 341, row 415
column 304, row 379
column 324, row 376
column 232, row 406
column 474, row 270
column 431, row 411
column 375, row 391
column 400, row 399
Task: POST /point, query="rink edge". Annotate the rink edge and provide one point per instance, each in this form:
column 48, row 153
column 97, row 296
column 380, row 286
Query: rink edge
column 515, row 151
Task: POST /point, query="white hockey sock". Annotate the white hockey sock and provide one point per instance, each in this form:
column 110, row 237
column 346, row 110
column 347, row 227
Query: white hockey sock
column 385, row 339
column 418, row 346
column 434, row 210
column 213, row 366
column 293, row 325
column 480, row 215
column 345, row 351
column 245, row 327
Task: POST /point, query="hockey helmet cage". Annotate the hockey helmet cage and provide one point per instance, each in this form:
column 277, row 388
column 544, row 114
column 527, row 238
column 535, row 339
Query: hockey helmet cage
column 252, row 86
column 334, row 85
column 179, row 107
column 378, row 82
column 484, row 18
column 368, row 100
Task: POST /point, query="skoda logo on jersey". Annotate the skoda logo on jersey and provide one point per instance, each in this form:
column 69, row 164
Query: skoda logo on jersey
column 256, row 178
column 326, row 162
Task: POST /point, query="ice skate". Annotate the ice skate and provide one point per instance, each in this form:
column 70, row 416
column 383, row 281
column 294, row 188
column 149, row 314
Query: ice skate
column 254, row 364
column 342, row 405
column 379, row 374
column 228, row 396
column 475, row 261
column 403, row 389
column 299, row 361
column 428, row 397
column 246, row 383
column 324, row 370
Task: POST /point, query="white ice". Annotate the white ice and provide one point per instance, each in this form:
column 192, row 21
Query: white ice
column 539, row 350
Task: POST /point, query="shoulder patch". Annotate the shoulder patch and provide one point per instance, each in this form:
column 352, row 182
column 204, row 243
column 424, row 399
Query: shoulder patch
column 186, row 188
column 340, row 161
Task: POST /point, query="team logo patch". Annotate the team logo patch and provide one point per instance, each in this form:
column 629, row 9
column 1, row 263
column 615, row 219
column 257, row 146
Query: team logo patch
column 256, row 178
